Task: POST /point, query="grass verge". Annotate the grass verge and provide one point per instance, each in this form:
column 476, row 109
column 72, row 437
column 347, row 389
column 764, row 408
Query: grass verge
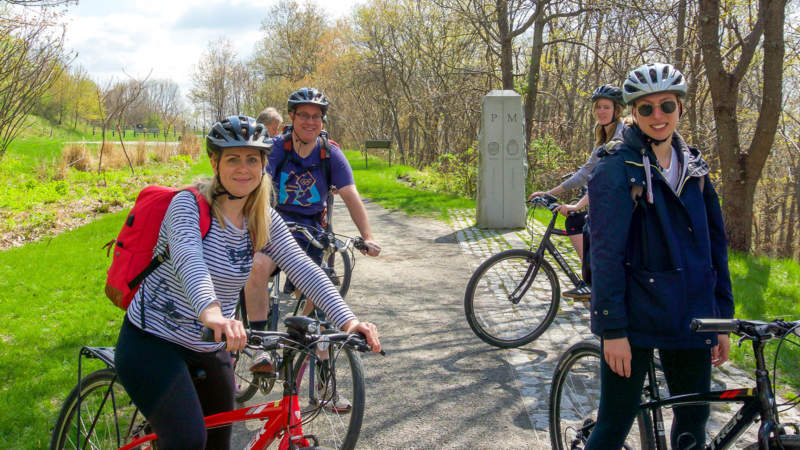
column 379, row 182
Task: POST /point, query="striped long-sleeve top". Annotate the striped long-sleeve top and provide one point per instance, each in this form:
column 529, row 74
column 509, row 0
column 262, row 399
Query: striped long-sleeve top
column 202, row 271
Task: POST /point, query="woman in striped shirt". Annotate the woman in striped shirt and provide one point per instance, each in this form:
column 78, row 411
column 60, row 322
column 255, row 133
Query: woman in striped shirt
column 159, row 345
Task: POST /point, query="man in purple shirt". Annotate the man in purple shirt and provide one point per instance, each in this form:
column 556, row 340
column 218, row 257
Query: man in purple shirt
column 297, row 167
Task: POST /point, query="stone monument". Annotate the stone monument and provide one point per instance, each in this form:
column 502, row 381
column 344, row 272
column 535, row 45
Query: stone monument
column 503, row 164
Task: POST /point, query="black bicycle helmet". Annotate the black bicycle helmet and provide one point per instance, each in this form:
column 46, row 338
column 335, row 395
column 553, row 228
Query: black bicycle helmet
column 653, row 78
column 610, row 92
column 238, row 131
column 308, row 96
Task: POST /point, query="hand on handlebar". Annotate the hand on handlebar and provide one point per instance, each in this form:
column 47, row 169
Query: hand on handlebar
column 369, row 330
column 372, row 248
column 232, row 329
column 566, row 210
column 536, row 194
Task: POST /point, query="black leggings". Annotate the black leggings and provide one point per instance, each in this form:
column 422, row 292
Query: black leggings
column 175, row 388
column 687, row 371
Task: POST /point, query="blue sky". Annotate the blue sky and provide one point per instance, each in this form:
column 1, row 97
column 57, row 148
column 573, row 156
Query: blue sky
column 112, row 38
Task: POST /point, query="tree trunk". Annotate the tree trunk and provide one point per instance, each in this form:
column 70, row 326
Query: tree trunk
column 506, row 50
column 537, row 50
column 741, row 170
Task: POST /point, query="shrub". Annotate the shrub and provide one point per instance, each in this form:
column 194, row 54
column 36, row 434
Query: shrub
column 163, row 152
column 140, row 154
column 189, row 144
column 76, row 155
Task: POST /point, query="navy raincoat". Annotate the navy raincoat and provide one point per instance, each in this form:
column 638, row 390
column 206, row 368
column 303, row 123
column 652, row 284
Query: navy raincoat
column 656, row 264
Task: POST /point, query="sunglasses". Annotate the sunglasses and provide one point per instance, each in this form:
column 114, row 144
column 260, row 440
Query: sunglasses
column 667, row 107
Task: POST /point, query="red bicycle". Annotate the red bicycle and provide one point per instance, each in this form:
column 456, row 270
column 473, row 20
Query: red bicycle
column 98, row 413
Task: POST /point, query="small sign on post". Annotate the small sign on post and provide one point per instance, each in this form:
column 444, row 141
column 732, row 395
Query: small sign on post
column 385, row 144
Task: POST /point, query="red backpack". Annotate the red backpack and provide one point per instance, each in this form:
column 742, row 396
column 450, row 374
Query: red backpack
column 133, row 253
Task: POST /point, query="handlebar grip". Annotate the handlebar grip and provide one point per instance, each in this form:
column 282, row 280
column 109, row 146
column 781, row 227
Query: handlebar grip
column 361, row 344
column 207, row 335
column 715, row 325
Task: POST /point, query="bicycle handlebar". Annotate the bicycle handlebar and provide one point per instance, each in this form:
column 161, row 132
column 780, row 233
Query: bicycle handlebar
column 311, row 233
column 546, row 200
column 754, row 329
column 308, row 336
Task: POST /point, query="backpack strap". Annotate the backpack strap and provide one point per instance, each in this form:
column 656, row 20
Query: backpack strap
column 324, row 150
column 205, row 224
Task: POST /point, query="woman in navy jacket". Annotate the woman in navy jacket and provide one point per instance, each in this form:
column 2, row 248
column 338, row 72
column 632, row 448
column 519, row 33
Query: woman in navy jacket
column 658, row 259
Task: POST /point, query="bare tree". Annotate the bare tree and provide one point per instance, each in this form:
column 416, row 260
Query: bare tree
column 31, row 58
column 166, row 98
column 742, row 168
column 112, row 102
column 213, row 78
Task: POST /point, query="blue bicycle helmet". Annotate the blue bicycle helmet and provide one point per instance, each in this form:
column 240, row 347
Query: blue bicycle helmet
column 238, row 131
column 610, row 92
column 308, row 96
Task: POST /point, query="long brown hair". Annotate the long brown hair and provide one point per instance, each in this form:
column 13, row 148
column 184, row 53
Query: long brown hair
column 600, row 134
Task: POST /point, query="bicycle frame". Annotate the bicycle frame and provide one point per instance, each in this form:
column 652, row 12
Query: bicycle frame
column 533, row 269
column 546, row 245
column 282, row 419
column 758, row 402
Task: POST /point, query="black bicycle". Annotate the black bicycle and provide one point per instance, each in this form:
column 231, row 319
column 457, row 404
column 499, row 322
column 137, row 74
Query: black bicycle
column 336, row 248
column 513, row 296
column 575, row 392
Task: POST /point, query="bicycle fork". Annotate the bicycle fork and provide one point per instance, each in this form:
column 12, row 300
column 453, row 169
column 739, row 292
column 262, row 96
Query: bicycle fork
column 526, row 282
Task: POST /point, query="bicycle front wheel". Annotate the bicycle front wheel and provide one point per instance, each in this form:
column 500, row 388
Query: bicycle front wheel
column 575, row 399
column 490, row 302
column 107, row 417
column 245, row 384
column 339, row 268
column 332, row 396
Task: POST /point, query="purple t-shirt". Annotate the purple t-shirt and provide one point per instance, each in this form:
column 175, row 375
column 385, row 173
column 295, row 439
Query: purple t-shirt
column 301, row 186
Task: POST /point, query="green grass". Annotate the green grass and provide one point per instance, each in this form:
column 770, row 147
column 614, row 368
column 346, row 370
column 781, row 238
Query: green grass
column 51, row 304
column 379, row 182
column 766, row 289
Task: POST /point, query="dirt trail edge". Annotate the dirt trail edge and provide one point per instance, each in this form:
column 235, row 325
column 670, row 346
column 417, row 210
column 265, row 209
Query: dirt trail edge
column 439, row 386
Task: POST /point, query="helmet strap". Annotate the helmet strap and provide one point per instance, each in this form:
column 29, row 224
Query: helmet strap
column 222, row 191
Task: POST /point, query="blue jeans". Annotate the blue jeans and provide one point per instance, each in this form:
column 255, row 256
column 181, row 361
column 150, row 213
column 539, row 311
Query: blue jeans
column 687, row 371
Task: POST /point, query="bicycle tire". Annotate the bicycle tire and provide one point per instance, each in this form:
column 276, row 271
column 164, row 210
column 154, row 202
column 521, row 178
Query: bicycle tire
column 333, row 429
column 574, row 399
column 341, row 272
column 490, row 313
column 786, row 441
column 102, row 398
column 245, row 386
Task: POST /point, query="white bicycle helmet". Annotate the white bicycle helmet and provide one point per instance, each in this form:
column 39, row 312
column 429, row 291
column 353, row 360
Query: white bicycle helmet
column 653, row 78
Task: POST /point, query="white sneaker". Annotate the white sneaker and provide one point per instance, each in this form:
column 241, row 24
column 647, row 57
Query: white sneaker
column 331, row 401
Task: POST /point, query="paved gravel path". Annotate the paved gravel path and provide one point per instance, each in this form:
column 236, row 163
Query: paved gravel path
column 439, row 385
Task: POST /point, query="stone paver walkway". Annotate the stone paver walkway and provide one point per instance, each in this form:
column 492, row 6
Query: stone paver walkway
column 534, row 363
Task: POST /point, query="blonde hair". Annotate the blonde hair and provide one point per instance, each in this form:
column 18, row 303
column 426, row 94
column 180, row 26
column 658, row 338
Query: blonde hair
column 600, row 135
column 256, row 208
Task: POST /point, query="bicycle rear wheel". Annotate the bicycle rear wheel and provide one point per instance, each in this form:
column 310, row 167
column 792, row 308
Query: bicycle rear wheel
column 325, row 394
column 575, row 398
column 107, row 417
column 490, row 311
